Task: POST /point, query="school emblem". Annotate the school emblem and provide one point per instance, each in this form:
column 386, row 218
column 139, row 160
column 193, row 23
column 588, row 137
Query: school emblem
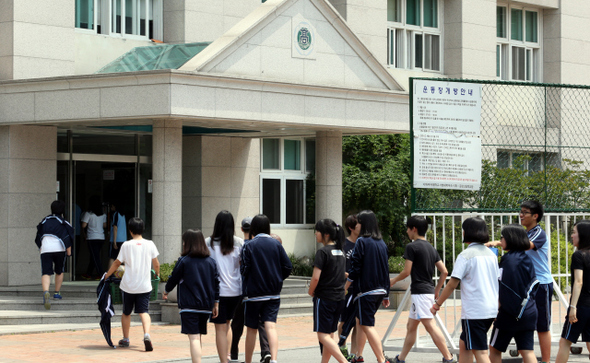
column 304, row 38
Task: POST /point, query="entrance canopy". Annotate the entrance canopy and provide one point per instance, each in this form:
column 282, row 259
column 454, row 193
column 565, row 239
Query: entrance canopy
column 292, row 67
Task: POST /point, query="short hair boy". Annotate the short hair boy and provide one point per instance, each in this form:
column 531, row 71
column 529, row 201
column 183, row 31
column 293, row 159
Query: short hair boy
column 138, row 255
column 421, row 259
column 531, row 213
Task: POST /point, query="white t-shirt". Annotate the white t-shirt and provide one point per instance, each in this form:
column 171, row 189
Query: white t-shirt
column 477, row 268
column 51, row 244
column 137, row 255
column 95, row 229
column 228, row 267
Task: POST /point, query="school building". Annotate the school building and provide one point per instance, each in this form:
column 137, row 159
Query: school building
column 176, row 109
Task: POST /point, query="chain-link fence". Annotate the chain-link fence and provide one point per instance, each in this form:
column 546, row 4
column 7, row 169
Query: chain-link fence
column 535, row 143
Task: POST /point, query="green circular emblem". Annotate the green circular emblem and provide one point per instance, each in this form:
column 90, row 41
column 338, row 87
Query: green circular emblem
column 304, row 38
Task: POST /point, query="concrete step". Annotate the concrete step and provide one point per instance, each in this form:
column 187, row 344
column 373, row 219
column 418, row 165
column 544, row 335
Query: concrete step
column 27, row 303
column 20, row 317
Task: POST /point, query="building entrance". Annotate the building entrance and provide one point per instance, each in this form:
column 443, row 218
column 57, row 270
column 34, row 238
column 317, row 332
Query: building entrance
column 108, row 182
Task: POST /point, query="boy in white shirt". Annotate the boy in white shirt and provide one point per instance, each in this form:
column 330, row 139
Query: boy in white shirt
column 138, row 255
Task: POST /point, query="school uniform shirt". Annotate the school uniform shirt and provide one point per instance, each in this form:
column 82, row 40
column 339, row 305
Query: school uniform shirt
column 137, row 255
column 423, row 257
column 581, row 261
column 477, row 268
column 369, row 270
column 121, row 224
column 347, row 249
column 94, row 229
column 228, row 267
column 518, row 286
column 198, row 283
column 265, row 265
column 54, row 234
column 332, row 262
column 540, row 254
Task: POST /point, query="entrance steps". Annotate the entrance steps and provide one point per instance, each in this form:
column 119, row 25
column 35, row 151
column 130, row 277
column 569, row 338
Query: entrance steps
column 22, row 310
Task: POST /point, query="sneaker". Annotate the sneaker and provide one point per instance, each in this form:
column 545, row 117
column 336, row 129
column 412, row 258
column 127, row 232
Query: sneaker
column 344, row 351
column 265, row 358
column 452, row 360
column 148, row 344
column 394, row 360
column 124, row 343
column 86, row 277
column 358, row 359
column 57, row 296
column 350, row 357
column 47, row 300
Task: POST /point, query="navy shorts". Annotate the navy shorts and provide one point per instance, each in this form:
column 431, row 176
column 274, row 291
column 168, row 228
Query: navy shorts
column 475, row 333
column 193, row 323
column 53, row 262
column 543, row 302
column 325, row 315
column 348, row 309
column 227, row 309
column 140, row 301
column 524, row 339
column 260, row 311
column 367, row 308
column 114, row 253
column 572, row 332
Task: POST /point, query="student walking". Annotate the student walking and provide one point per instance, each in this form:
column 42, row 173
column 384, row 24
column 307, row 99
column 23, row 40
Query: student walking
column 370, row 275
column 225, row 249
column 577, row 321
column 94, row 221
column 349, row 323
column 265, row 265
column 197, row 278
column 327, row 287
column 54, row 239
column 476, row 268
column 517, row 314
column 139, row 256
column 421, row 259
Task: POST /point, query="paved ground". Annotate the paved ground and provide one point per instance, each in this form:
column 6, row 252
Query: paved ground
column 297, row 343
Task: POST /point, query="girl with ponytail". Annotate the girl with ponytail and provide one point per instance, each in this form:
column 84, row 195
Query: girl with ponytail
column 327, row 287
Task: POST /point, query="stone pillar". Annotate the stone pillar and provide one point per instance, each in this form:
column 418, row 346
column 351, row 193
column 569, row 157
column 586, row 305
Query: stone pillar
column 328, row 168
column 28, row 174
column 167, row 187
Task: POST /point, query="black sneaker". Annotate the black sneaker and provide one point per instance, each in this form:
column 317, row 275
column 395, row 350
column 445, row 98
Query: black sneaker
column 265, row 358
column 124, row 343
column 148, row 344
column 358, row 359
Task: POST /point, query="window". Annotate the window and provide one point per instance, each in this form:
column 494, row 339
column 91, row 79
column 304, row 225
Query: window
column 287, row 169
column 529, row 161
column 413, row 34
column 128, row 18
column 518, row 49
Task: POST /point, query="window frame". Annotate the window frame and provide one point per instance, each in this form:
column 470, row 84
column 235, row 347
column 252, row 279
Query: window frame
column 505, row 46
column 107, row 19
column 401, row 40
column 285, row 175
column 513, row 154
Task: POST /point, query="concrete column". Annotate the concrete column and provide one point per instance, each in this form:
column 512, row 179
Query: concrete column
column 191, row 183
column 167, row 187
column 28, row 174
column 328, row 168
column 470, row 39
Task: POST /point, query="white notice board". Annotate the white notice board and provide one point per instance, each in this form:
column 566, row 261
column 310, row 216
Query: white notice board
column 446, row 127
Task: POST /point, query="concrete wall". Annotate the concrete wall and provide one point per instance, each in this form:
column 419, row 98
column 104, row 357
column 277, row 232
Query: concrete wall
column 27, row 187
column 37, row 38
column 94, row 51
column 470, row 39
column 188, row 21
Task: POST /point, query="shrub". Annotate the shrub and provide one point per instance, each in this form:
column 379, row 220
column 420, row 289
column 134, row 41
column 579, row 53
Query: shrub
column 166, row 271
column 302, row 266
column 396, row 264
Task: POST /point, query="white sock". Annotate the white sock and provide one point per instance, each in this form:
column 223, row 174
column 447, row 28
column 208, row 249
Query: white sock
column 146, row 336
column 273, row 361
